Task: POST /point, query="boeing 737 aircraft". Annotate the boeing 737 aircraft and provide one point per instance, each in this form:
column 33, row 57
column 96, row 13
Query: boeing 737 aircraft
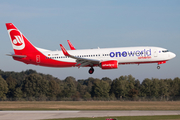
column 106, row 58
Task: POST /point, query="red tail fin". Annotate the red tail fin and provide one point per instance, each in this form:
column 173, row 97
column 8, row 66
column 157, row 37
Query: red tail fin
column 20, row 44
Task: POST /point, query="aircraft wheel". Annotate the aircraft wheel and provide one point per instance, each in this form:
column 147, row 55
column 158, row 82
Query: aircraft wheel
column 91, row 70
column 158, row 67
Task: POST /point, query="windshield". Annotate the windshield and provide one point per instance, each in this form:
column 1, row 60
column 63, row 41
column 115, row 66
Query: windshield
column 165, row 50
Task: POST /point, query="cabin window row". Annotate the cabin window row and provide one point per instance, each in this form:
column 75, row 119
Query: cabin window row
column 77, row 56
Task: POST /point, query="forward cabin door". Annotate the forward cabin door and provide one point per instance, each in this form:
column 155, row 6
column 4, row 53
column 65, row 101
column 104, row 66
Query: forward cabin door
column 155, row 53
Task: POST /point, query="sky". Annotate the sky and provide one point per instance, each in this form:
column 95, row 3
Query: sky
column 92, row 24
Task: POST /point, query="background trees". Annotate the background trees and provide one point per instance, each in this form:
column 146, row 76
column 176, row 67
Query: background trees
column 30, row 85
column 100, row 89
column 3, row 88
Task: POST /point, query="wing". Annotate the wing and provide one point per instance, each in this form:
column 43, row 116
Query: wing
column 81, row 61
column 71, row 46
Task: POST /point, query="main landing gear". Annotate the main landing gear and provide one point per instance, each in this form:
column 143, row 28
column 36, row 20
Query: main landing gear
column 91, row 70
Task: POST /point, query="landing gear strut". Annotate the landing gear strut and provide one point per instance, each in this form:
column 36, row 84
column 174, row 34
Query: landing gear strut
column 91, row 70
column 158, row 67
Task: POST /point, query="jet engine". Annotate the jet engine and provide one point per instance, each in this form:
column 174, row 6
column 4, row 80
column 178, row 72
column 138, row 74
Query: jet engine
column 111, row 64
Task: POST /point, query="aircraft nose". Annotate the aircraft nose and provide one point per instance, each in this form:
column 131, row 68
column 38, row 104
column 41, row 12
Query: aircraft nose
column 172, row 55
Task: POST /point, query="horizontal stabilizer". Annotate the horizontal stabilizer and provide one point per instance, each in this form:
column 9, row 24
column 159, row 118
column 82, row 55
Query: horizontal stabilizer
column 19, row 56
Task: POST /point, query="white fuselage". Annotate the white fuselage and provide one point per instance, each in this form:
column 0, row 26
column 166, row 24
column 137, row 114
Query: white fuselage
column 122, row 55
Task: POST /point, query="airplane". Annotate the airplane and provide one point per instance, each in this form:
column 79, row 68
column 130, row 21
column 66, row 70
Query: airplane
column 105, row 58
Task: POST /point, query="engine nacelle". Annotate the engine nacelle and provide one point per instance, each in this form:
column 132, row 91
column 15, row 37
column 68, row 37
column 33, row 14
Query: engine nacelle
column 111, row 64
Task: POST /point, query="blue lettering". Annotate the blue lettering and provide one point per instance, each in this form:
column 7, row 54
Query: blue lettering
column 131, row 53
column 144, row 52
column 148, row 52
column 112, row 54
column 124, row 54
column 118, row 53
column 138, row 53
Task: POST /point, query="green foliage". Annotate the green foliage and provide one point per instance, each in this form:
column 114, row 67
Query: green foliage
column 133, row 93
column 30, row 85
column 3, row 88
column 100, row 89
column 70, row 87
column 120, row 87
column 146, row 87
column 12, row 86
column 18, row 94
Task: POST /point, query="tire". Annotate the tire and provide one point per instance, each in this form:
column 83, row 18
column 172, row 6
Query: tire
column 158, row 67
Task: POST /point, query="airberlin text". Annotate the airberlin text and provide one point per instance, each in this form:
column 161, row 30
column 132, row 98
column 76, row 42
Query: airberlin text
column 141, row 54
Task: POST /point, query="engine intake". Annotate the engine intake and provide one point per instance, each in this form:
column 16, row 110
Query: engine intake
column 111, row 64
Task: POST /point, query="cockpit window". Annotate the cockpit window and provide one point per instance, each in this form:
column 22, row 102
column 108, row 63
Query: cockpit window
column 165, row 51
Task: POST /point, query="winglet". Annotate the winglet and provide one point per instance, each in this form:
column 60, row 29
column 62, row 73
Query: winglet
column 70, row 45
column 64, row 50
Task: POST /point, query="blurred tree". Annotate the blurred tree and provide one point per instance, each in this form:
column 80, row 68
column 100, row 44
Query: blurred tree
column 89, row 83
column 18, row 94
column 108, row 80
column 137, row 85
column 54, row 89
column 87, row 96
column 30, row 71
column 12, row 86
column 133, row 93
column 131, row 81
column 120, row 87
column 146, row 87
column 163, row 88
column 100, row 89
column 155, row 87
column 70, row 87
column 34, row 86
column 175, row 87
column 81, row 89
column 3, row 88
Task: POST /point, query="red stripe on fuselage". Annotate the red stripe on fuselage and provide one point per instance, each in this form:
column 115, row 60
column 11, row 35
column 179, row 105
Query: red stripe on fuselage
column 141, row 62
column 43, row 60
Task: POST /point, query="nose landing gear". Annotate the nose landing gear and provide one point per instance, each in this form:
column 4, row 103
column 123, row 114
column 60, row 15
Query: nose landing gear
column 158, row 67
column 91, row 70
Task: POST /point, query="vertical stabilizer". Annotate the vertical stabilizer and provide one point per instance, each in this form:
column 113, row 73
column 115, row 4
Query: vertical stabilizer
column 20, row 43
